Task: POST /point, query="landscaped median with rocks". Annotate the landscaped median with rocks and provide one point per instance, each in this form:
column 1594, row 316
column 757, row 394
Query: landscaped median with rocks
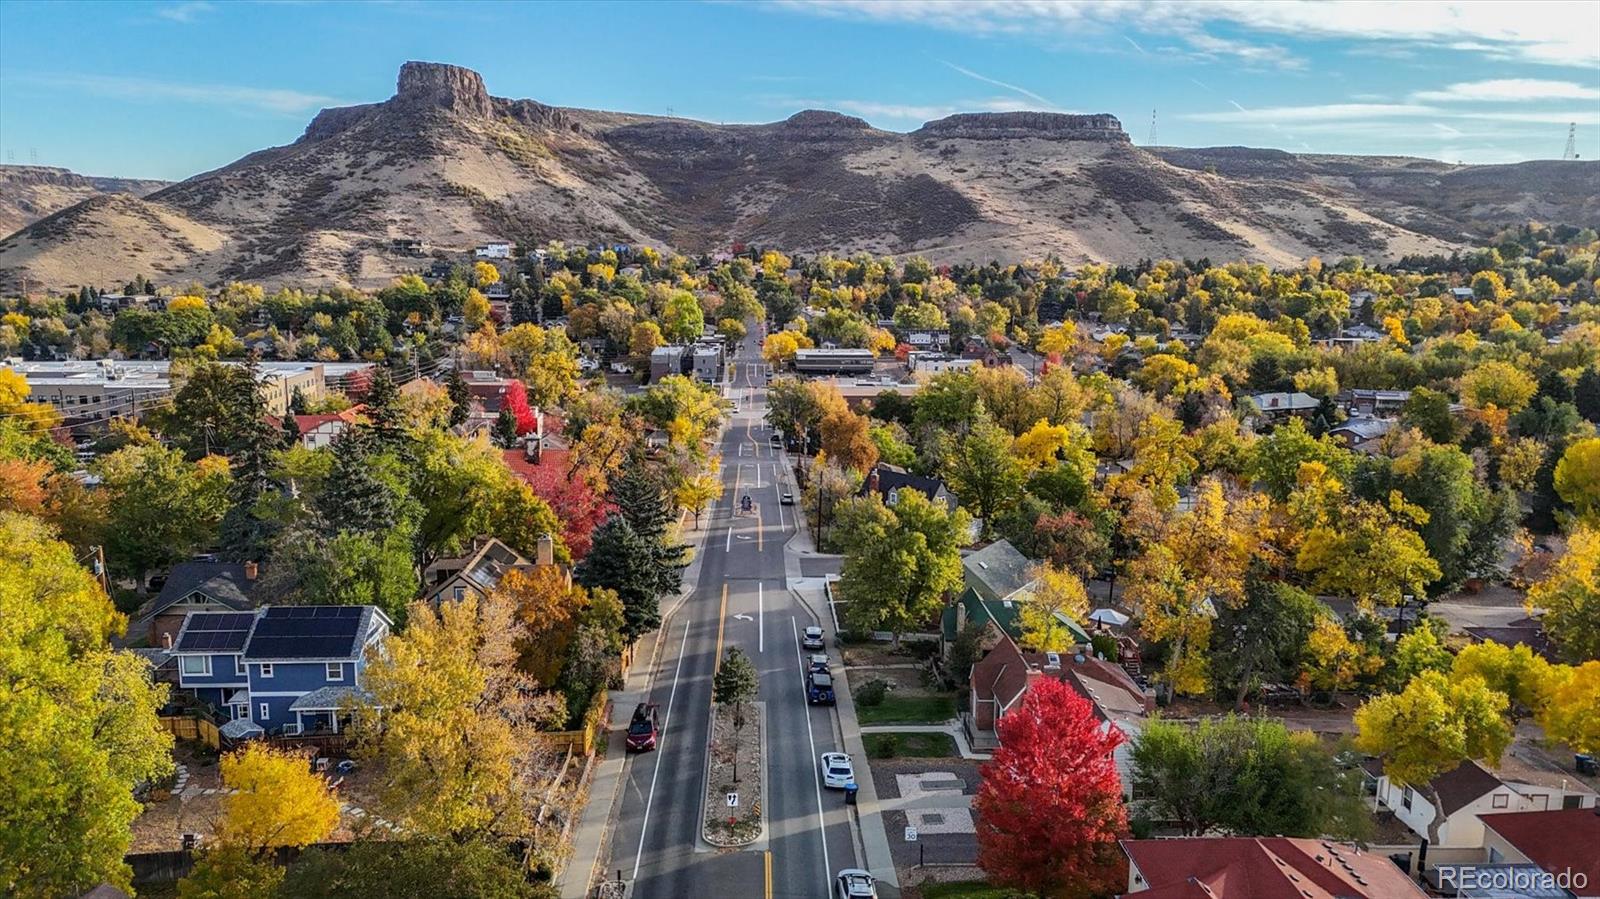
column 729, row 825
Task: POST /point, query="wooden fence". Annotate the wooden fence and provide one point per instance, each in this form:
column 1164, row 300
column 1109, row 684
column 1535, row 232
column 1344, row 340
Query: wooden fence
column 594, row 721
column 188, row 727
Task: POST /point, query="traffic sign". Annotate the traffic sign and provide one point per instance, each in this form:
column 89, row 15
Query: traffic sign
column 911, row 834
column 733, row 800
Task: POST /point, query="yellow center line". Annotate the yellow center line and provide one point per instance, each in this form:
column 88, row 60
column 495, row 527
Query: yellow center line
column 722, row 617
column 768, row 855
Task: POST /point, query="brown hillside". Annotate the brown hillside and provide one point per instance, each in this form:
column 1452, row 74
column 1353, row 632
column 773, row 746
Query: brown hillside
column 445, row 162
column 31, row 192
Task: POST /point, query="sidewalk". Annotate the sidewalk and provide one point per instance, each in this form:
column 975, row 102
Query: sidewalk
column 869, row 810
column 594, row 826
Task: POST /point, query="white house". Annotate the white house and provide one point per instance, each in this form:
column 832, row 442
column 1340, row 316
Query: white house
column 1471, row 790
column 494, row 249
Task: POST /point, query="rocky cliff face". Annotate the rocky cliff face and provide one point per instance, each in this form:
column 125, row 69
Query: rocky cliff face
column 445, row 162
column 1021, row 125
column 435, row 86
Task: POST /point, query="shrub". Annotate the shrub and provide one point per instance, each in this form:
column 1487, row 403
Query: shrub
column 872, row 692
column 884, row 745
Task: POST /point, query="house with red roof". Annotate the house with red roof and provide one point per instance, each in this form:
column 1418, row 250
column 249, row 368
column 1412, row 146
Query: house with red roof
column 1561, row 841
column 1260, row 868
column 317, row 431
column 1001, row 679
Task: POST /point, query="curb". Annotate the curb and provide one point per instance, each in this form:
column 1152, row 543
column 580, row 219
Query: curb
column 705, row 791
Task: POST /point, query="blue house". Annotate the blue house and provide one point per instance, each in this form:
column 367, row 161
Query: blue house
column 284, row 669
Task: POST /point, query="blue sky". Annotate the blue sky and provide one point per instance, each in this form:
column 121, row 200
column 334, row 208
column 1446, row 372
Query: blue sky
column 170, row 89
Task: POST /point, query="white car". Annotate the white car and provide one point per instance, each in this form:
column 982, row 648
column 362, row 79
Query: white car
column 854, row 883
column 837, row 770
column 812, row 638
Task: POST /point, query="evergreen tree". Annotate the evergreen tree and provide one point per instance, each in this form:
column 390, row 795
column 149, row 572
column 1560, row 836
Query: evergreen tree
column 291, row 431
column 1586, row 394
column 623, row 561
column 460, row 398
column 384, row 411
column 505, row 429
column 642, row 501
column 252, row 456
column 298, row 404
column 1554, row 386
column 353, row 501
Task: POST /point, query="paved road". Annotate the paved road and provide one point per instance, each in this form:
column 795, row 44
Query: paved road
column 740, row 600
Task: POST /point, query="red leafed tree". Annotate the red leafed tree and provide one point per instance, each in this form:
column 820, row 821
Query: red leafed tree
column 517, row 401
column 1050, row 807
column 575, row 502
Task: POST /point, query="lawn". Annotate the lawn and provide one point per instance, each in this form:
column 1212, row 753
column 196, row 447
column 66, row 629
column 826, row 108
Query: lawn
column 966, row 889
column 888, row 746
column 934, row 708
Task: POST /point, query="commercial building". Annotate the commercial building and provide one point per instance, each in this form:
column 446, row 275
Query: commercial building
column 830, row 362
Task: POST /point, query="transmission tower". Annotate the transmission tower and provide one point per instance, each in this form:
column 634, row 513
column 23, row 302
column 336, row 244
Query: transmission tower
column 1152, row 141
column 1572, row 142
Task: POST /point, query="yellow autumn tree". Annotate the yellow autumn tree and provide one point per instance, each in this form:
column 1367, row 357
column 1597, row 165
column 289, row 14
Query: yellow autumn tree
column 1333, row 661
column 1042, row 444
column 1186, row 571
column 1057, row 594
column 278, row 801
column 1572, row 715
column 484, row 274
column 14, row 405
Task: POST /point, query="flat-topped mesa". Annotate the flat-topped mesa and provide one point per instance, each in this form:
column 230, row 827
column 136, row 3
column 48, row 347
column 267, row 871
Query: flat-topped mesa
column 821, row 125
column 439, row 86
column 1012, row 125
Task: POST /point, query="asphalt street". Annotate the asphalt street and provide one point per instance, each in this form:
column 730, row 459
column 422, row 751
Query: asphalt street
column 739, row 600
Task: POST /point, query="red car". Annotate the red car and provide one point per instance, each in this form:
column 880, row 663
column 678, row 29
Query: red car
column 645, row 729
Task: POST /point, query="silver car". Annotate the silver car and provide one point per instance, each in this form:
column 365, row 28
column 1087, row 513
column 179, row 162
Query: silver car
column 812, row 638
column 854, row 883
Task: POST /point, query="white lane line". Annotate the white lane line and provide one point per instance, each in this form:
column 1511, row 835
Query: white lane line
column 728, row 547
column 816, row 761
column 761, row 618
column 665, row 723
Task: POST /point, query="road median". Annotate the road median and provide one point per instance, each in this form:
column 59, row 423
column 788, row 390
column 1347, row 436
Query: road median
column 732, row 812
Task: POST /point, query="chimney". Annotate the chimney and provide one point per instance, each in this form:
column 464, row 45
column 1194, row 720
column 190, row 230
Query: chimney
column 872, row 480
column 547, row 551
column 251, row 569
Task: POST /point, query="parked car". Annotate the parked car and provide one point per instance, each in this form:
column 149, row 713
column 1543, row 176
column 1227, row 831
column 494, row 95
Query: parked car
column 837, row 772
column 819, row 688
column 854, row 883
column 645, row 729
column 812, row 638
column 817, row 663
column 786, row 499
column 776, row 440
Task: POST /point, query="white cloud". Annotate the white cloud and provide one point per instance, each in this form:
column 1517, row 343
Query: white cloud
column 997, row 83
column 185, row 12
column 1558, row 117
column 1508, row 90
column 1535, row 31
column 1320, row 113
column 1446, row 130
column 274, row 100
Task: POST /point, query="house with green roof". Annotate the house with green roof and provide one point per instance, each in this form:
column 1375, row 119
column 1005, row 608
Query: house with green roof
column 998, row 580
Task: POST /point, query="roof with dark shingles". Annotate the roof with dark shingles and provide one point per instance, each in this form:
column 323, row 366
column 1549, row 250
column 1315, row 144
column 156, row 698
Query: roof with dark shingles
column 1460, row 786
column 224, row 582
column 893, row 477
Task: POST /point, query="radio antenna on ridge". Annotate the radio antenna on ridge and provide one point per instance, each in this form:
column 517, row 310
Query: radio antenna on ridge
column 1152, row 141
column 1572, row 142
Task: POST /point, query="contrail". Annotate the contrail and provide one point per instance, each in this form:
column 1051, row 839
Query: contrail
column 998, row 83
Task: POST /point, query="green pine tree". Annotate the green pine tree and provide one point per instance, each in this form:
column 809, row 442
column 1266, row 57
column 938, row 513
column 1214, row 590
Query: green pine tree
column 460, row 398
column 619, row 559
column 505, row 430
column 643, row 502
column 1586, row 394
column 298, row 404
column 353, row 500
column 385, row 412
column 252, row 457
